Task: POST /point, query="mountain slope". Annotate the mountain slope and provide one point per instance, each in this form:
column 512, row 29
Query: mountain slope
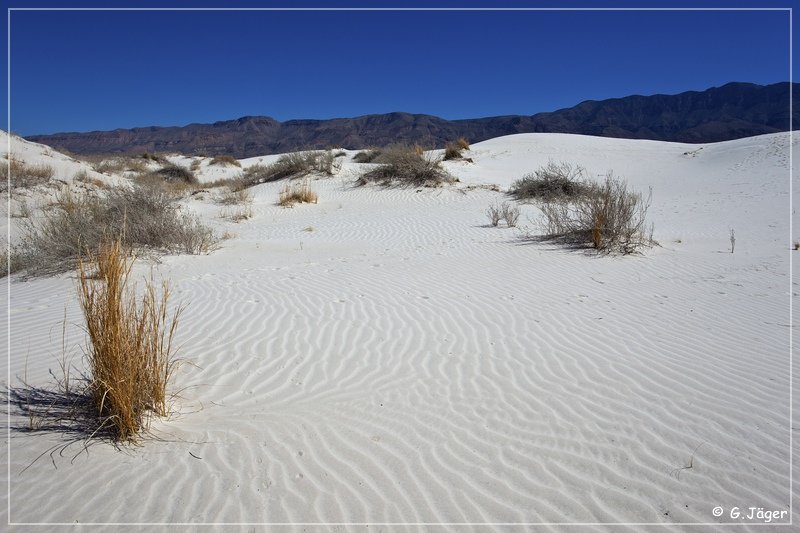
column 733, row 111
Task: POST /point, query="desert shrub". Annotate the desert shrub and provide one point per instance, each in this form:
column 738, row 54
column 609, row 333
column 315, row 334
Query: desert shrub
column 223, row 160
column 130, row 357
column 154, row 157
column 462, row 143
column 505, row 211
column 609, row 218
column 147, row 219
column 22, row 175
column 297, row 194
column 177, row 173
column 452, row 151
column 554, row 181
column 324, row 162
column 366, row 156
column 195, row 166
column 287, row 166
column 404, row 166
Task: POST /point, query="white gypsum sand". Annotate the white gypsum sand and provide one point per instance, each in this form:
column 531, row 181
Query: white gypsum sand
column 387, row 356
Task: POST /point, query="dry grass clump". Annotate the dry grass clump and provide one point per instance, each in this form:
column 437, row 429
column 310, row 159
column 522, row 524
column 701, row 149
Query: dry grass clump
column 406, row 167
column 452, row 151
column 223, row 160
column 130, row 359
column 177, row 173
column 608, row 217
column 147, row 219
column 552, row 182
column 366, row 156
column 297, row 194
column 239, row 205
column 22, row 175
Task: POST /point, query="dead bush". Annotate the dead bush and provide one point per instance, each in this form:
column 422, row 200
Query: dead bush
column 406, row 167
column 609, row 218
column 552, row 182
column 493, row 212
column 462, row 143
column 505, row 211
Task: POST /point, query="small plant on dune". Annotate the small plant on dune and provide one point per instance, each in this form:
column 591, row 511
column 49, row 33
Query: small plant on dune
column 223, row 160
column 452, row 151
column 298, row 193
column 493, row 212
column 131, row 359
column 406, row 167
column 239, row 205
column 510, row 213
column 154, row 157
column 462, row 143
column 505, row 211
column 609, row 218
column 195, row 166
column 552, row 182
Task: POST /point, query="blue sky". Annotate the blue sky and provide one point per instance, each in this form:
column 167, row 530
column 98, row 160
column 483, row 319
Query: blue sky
column 99, row 70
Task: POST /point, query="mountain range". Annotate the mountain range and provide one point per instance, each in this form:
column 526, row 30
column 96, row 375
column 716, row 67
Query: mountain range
column 732, row 111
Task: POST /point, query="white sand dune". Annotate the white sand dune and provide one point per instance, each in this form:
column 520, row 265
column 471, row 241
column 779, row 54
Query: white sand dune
column 386, row 356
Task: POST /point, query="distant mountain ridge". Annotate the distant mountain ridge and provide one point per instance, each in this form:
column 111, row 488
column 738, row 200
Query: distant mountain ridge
column 732, row 111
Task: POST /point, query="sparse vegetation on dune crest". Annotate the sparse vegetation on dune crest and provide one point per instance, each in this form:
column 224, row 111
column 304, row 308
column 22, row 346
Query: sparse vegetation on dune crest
column 406, row 167
column 292, row 165
column 223, row 160
column 366, row 156
column 552, row 182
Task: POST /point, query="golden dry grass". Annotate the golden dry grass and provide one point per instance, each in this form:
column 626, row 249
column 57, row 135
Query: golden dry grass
column 462, row 143
column 130, row 358
column 297, row 194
